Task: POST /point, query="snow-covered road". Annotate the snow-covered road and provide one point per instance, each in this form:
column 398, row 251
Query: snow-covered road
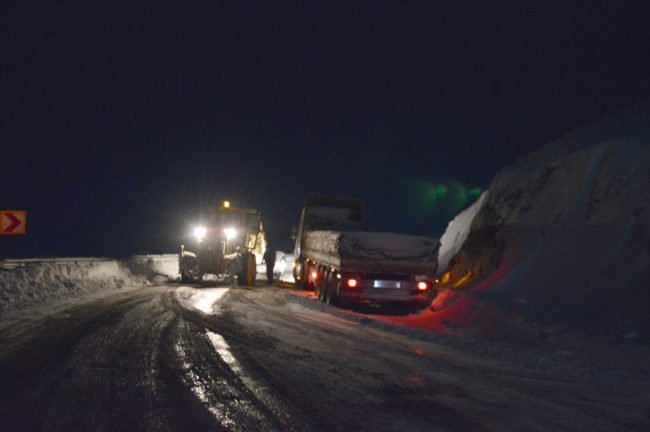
column 185, row 358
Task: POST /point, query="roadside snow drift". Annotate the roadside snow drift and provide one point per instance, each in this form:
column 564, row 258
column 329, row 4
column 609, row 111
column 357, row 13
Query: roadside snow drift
column 26, row 283
column 563, row 234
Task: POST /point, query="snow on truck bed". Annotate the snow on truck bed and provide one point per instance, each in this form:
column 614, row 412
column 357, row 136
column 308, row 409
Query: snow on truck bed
column 382, row 246
column 372, row 247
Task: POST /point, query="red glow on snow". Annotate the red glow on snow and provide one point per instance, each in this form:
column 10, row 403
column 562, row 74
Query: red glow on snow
column 450, row 312
column 507, row 264
column 419, row 352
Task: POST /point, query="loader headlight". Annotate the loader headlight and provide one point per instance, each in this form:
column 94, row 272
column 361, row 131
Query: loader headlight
column 230, row 233
column 200, row 232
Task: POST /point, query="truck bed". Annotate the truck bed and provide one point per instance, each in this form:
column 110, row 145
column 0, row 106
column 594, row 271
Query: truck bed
column 372, row 251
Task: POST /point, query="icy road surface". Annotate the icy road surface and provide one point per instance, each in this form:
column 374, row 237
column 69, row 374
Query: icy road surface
column 177, row 358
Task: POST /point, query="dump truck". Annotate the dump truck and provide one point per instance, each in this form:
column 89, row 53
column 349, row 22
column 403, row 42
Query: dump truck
column 229, row 243
column 344, row 262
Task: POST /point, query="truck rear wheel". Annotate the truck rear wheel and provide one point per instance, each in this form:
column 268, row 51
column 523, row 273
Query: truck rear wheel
column 303, row 283
column 320, row 292
column 297, row 274
column 323, row 286
column 332, row 290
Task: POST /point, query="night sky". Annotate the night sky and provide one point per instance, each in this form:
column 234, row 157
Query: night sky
column 121, row 121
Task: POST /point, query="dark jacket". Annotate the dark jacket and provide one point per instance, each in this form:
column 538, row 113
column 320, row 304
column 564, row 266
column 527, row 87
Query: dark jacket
column 269, row 258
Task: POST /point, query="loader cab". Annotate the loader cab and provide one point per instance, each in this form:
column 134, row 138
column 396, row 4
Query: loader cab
column 237, row 227
column 226, row 236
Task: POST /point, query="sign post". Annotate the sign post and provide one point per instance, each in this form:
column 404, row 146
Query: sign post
column 13, row 223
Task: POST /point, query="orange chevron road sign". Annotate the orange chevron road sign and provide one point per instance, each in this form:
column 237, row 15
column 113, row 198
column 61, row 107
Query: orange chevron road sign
column 13, row 222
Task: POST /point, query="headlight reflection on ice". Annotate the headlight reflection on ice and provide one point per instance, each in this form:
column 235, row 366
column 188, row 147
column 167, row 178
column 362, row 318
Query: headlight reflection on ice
column 220, row 411
column 260, row 392
column 223, row 349
column 205, row 300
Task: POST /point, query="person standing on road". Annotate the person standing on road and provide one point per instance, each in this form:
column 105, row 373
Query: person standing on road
column 269, row 259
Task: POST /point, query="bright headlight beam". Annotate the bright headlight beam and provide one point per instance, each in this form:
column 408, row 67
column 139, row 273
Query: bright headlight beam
column 200, row 232
column 229, row 232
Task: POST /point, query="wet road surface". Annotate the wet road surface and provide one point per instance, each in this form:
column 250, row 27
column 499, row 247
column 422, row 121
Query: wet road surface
column 178, row 358
column 134, row 362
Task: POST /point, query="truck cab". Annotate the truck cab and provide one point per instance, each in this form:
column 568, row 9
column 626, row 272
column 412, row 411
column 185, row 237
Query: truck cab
column 324, row 213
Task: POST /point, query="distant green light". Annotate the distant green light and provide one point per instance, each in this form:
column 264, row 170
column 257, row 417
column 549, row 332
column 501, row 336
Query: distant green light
column 440, row 191
column 474, row 193
column 425, row 199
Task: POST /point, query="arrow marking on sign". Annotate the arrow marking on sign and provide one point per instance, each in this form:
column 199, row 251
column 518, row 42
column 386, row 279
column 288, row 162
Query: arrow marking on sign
column 15, row 222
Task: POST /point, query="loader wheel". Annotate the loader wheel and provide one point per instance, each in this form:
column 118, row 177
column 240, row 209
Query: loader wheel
column 251, row 270
column 191, row 277
column 190, row 271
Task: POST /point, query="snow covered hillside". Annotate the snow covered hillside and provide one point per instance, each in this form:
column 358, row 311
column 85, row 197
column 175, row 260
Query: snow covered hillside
column 563, row 235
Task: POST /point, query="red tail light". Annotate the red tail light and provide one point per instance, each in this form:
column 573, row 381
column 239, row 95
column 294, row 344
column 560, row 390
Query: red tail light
column 352, row 283
column 422, row 286
column 314, row 275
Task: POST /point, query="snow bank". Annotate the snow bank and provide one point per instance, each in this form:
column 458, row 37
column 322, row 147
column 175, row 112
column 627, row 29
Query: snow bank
column 563, row 236
column 157, row 268
column 26, row 283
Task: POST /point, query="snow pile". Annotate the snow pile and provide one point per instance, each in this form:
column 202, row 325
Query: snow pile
column 457, row 232
column 563, row 237
column 26, row 283
column 378, row 248
column 157, row 268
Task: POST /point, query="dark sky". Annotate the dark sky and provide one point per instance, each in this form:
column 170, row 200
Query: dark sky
column 121, row 121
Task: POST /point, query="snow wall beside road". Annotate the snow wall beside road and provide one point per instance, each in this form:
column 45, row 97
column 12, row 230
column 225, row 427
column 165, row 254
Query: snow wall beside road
column 563, row 236
column 26, row 283
column 153, row 266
